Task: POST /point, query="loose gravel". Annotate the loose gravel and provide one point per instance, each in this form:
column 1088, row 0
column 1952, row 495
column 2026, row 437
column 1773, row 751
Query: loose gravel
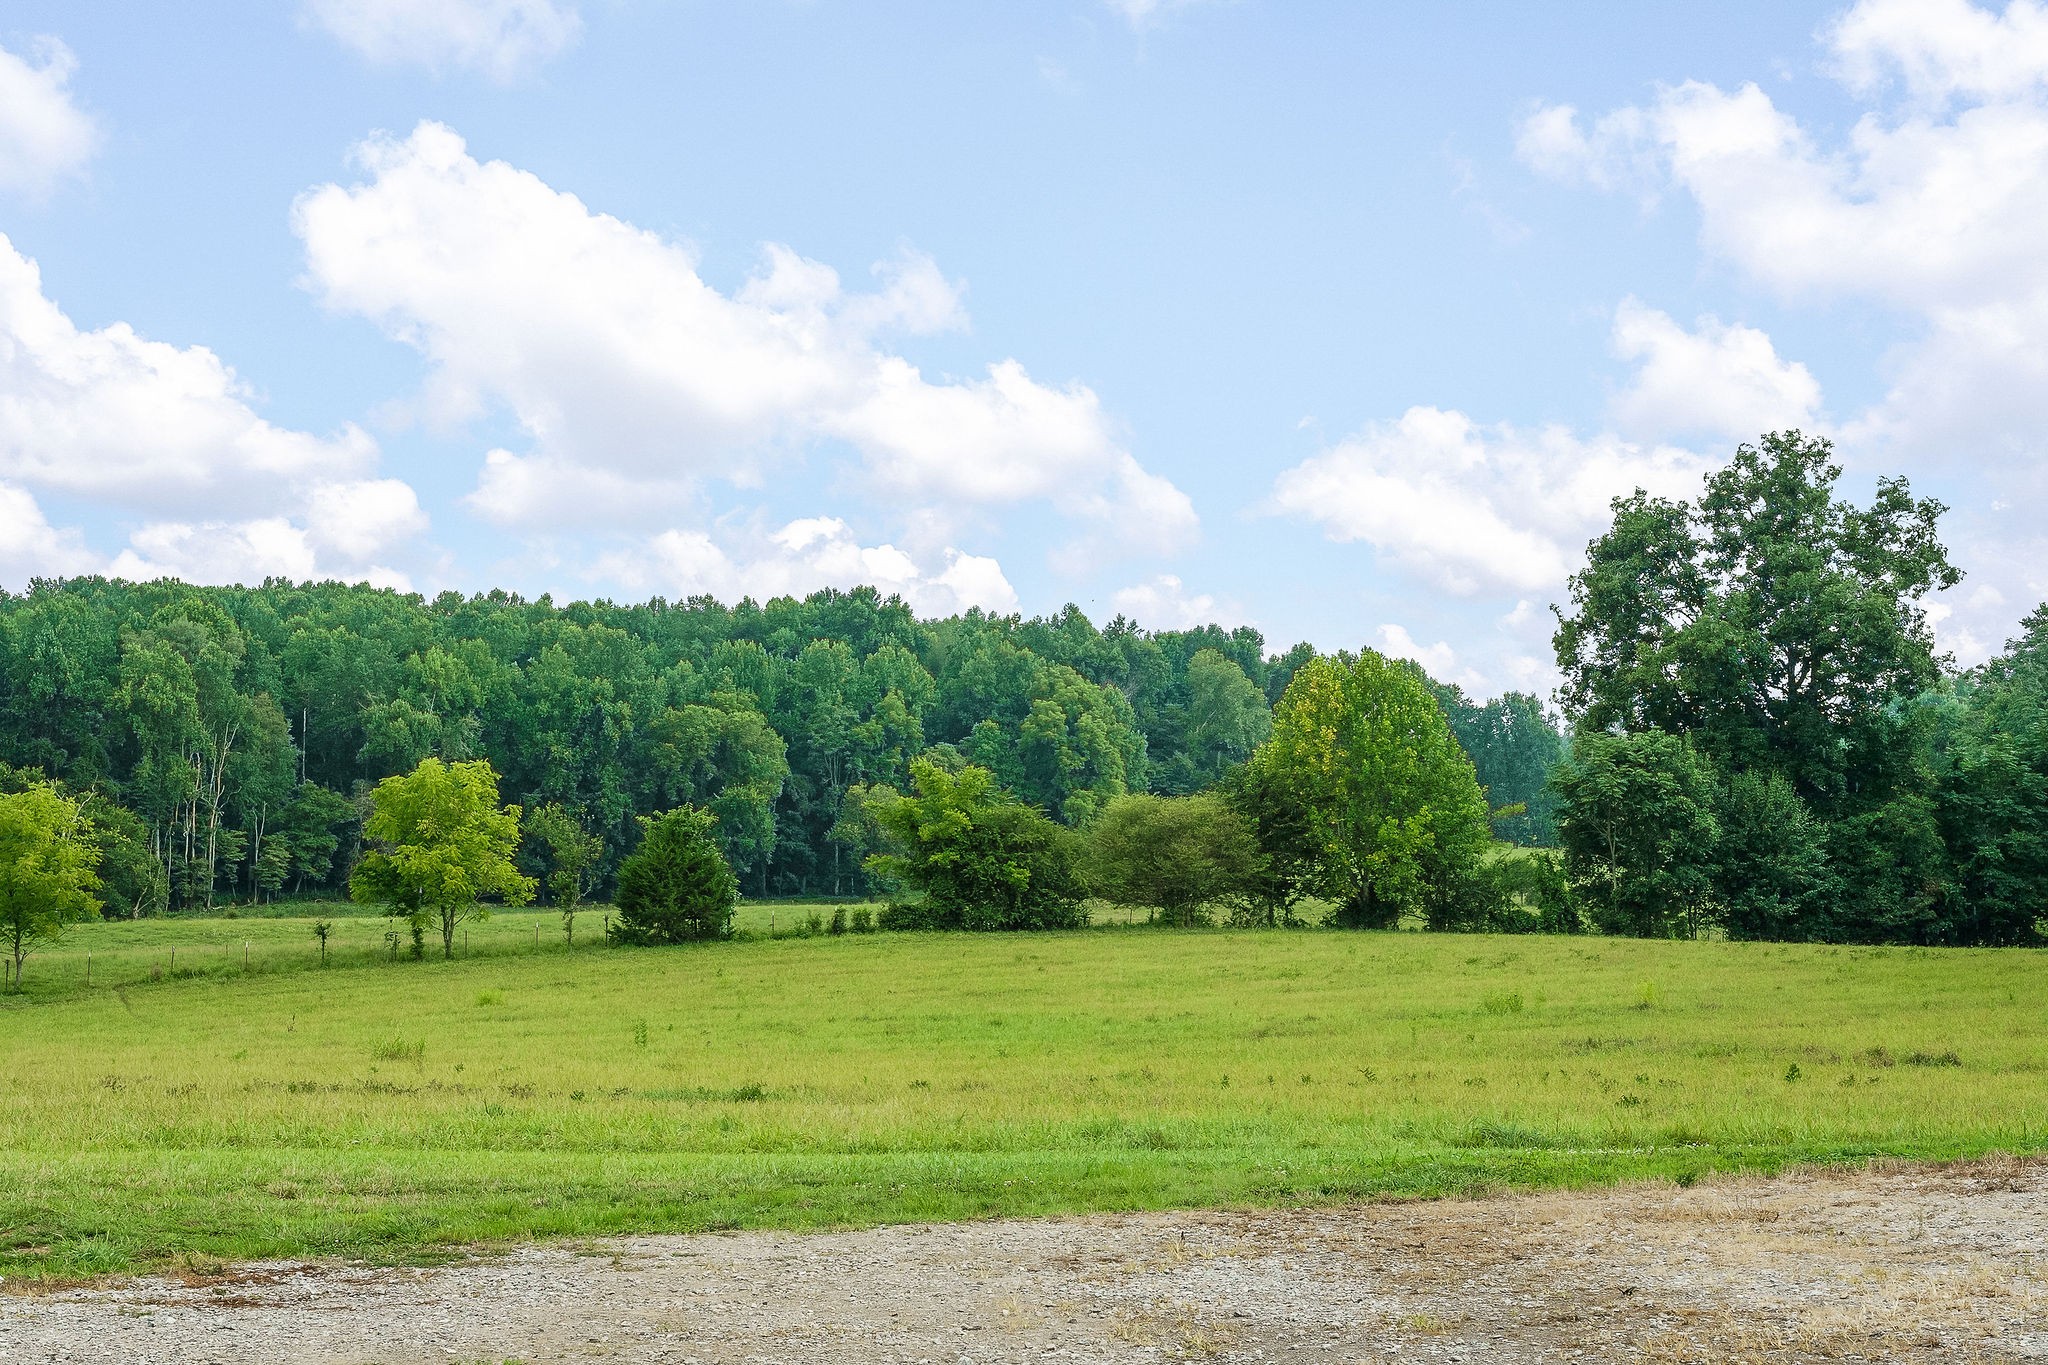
column 1901, row 1264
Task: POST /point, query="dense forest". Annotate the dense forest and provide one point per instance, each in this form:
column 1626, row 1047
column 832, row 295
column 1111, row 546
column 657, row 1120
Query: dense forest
column 225, row 737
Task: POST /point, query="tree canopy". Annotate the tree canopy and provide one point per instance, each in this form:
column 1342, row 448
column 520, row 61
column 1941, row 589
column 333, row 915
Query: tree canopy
column 47, row 877
column 1397, row 812
column 1176, row 855
column 979, row 857
column 1771, row 621
column 439, row 844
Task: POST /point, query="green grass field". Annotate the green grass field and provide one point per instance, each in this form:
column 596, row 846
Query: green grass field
column 401, row 1110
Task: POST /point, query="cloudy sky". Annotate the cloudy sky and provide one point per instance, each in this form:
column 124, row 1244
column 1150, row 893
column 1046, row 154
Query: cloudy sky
column 1341, row 322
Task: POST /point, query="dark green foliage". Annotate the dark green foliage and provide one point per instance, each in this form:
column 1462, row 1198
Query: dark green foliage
column 1288, row 853
column 1636, row 823
column 239, row 725
column 1771, row 623
column 676, row 886
column 980, row 858
column 1772, row 878
column 1174, row 855
column 1522, row 891
column 1514, row 746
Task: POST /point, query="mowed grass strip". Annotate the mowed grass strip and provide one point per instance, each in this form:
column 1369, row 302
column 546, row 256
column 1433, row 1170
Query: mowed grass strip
column 399, row 1111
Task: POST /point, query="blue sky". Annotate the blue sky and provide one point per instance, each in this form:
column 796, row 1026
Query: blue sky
column 1342, row 322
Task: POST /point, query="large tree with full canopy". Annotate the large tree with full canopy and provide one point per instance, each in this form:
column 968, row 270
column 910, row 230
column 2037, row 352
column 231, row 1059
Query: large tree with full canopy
column 1771, row 622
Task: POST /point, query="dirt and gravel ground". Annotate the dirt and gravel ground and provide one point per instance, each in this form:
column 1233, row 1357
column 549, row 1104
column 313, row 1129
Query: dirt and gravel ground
column 1909, row 1264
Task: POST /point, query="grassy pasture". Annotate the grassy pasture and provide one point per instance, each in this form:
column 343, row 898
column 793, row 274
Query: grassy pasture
column 396, row 1111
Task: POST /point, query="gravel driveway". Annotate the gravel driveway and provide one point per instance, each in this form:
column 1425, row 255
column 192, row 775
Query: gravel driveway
column 1909, row 1264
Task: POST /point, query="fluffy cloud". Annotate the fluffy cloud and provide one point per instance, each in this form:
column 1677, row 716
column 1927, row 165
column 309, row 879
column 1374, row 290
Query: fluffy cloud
column 238, row 552
column 1163, row 602
column 1479, row 509
column 168, row 433
column 1941, row 49
column 501, row 38
column 1930, row 205
column 1476, row 509
column 31, row 548
column 637, row 381
column 801, row 557
column 44, row 135
column 135, row 422
column 1719, row 380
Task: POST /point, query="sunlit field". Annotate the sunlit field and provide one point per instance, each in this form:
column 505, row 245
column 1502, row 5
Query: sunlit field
column 400, row 1110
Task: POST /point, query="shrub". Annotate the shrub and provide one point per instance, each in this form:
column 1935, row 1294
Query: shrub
column 863, row 921
column 1173, row 855
column 676, row 886
column 981, row 858
column 838, row 924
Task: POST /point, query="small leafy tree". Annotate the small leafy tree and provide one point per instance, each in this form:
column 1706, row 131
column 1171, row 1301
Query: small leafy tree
column 1289, row 854
column 47, row 877
column 1397, row 814
column 1174, row 855
column 568, row 854
column 440, row 843
column 1636, row 823
column 982, row 858
column 677, row 886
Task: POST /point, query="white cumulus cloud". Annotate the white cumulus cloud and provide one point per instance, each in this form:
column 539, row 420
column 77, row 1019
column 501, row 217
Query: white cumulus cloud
column 801, row 557
column 1928, row 206
column 31, row 548
column 1476, row 509
column 1940, row 49
column 1163, row 602
column 637, row 381
column 134, row 422
column 167, row 434
column 44, row 135
column 501, row 38
column 1720, row 380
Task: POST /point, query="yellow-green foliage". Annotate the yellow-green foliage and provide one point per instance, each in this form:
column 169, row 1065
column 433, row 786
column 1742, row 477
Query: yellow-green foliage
column 389, row 1109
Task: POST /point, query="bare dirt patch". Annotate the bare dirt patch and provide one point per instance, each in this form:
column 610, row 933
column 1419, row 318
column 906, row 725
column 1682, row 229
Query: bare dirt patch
column 1902, row 1264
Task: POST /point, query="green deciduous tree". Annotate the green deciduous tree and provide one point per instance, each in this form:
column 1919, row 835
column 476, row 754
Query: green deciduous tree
column 1771, row 622
column 439, row 844
column 47, row 877
column 567, row 857
column 1636, row 823
column 1398, row 816
column 1174, row 855
column 981, row 858
column 676, row 886
column 1286, row 838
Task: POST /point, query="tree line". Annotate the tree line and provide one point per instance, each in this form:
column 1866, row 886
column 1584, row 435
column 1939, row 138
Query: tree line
column 225, row 739
column 1764, row 741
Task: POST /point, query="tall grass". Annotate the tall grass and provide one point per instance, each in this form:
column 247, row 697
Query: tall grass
column 398, row 1110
